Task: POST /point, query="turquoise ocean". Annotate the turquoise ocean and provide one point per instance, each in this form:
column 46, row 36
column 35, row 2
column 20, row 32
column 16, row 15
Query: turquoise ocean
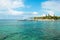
column 29, row 30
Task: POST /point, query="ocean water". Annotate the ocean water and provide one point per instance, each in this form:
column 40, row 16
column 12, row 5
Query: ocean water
column 29, row 30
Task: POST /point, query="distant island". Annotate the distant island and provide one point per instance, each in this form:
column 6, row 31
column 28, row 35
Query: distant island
column 42, row 18
column 47, row 17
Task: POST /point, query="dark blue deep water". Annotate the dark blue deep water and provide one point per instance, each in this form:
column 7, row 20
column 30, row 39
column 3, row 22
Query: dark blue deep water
column 29, row 30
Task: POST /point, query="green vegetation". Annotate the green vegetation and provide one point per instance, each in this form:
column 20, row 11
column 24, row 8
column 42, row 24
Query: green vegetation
column 47, row 17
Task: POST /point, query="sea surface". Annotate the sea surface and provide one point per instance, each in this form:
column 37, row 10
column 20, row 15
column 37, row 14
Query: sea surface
column 29, row 30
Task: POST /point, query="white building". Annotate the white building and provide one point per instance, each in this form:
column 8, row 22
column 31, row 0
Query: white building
column 43, row 15
column 51, row 13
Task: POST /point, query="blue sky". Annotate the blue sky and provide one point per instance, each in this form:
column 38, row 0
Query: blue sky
column 21, row 9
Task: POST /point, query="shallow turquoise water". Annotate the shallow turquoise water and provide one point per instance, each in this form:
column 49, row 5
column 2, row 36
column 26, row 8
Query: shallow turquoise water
column 29, row 30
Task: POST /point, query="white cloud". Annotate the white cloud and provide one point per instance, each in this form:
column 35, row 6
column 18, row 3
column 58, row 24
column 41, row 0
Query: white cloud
column 17, row 4
column 34, row 13
column 51, row 5
column 53, row 0
column 13, row 12
column 9, row 5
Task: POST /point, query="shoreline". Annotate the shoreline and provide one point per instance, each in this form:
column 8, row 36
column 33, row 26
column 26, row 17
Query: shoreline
column 45, row 20
column 41, row 20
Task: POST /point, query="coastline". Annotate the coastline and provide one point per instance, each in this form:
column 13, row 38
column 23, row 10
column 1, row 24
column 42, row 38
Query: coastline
column 41, row 20
column 46, row 20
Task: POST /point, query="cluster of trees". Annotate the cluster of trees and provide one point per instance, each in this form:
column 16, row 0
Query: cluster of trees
column 48, row 17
